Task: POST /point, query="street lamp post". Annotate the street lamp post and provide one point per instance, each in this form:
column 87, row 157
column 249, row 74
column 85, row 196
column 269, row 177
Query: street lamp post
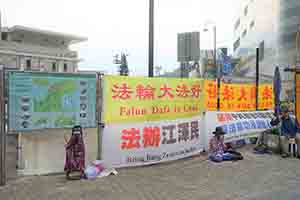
column 151, row 38
column 216, row 65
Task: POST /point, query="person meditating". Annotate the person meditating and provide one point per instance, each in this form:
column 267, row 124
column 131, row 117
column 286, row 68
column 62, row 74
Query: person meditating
column 289, row 130
column 75, row 153
column 217, row 150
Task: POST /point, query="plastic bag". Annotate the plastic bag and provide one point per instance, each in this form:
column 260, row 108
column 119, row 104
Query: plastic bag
column 91, row 172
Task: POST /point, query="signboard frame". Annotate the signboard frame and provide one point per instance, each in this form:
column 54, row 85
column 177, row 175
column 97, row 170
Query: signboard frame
column 8, row 72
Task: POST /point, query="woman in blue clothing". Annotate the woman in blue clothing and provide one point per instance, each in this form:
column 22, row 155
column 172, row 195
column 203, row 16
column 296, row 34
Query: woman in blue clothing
column 289, row 129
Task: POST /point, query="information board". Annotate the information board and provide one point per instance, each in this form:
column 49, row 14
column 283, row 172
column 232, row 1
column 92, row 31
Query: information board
column 43, row 100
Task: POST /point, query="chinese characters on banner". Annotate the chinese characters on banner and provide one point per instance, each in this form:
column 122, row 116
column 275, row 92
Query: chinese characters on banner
column 238, row 125
column 238, row 97
column 133, row 99
column 235, row 97
column 211, row 95
column 297, row 107
column 151, row 142
column 266, row 97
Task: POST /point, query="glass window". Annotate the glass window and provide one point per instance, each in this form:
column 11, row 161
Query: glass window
column 3, row 36
column 244, row 33
column 54, row 67
column 246, row 11
column 252, row 24
column 237, row 24
column 65, row 67
column 236, row 44
column 28, row 64
column 288, row 40
column 261, row 51
column 288, row 13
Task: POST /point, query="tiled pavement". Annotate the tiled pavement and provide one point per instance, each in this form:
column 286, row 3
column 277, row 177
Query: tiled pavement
column 256, row 177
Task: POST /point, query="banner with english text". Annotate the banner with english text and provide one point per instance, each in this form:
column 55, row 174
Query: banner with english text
column 144, row 143
column 140, row 99
column 238, row 97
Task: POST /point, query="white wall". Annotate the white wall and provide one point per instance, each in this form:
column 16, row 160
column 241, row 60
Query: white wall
column 43, row 152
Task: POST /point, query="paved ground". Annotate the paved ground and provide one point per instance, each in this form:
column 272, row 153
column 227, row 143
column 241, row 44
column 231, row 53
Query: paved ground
column 257, row 177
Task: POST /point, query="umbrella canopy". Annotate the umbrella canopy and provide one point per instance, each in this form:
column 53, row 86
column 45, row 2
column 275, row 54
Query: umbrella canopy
column 277, row 90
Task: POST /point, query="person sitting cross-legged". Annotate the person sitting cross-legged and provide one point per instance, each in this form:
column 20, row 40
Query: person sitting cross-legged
column 217, row 150
column 289, row 129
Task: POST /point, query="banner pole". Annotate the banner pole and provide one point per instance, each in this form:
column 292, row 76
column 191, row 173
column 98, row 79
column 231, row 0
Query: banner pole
column 2, row 130
column 297, row 93
column 99, row 102
column 257, row 79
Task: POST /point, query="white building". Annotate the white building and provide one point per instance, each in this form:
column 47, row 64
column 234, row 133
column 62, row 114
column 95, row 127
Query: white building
column 38, row 50
column 256, row 26
column 271, row 26
column 32, row 49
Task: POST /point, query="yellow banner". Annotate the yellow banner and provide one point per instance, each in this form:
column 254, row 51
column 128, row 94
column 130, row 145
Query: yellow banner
column 211, row 94
column 136, row 99
column 266, row 97
column 238, row 97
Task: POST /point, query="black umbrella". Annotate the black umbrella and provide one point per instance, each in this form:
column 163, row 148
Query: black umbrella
column 277, row 90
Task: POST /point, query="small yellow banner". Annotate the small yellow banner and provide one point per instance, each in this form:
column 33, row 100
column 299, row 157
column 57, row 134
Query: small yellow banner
column 211, row 94
column 136, row 99
column 266, row 97
column 238, row 97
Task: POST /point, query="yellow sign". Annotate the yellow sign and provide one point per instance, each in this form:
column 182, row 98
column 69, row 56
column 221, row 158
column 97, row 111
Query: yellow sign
column 136, row 99
column 266, row 97
column 238, row 97
column 211, row 94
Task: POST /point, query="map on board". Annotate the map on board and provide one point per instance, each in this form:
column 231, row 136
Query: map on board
column 39, row 101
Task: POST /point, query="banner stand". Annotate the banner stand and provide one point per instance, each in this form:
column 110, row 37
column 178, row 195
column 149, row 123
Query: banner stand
column 99, row 106
column 2, row 129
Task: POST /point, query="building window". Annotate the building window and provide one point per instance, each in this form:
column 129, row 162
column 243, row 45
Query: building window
column 236, row 44
column 237, row 24
column 65, row 67
column 252, row 24
column 4, row 36
column 28, row 64
column 244, row 33
column 54, row 67
column 246, row 11
column 261, row 51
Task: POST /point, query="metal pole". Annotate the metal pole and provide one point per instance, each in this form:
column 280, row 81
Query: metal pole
column 257, row 79
column 297, row 93
column 2, row 130
column 181, row 69
column 217, row 67
column 297, row 79
column 0, row 27
column 100, row 125
column 151, row 38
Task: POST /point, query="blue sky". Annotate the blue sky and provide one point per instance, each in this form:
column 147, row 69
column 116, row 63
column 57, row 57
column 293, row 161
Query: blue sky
column 114, row 26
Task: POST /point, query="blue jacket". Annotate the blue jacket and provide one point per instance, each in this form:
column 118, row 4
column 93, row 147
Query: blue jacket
column 289, row 127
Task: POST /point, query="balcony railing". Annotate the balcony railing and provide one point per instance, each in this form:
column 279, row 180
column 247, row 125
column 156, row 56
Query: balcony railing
column 35, row 49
